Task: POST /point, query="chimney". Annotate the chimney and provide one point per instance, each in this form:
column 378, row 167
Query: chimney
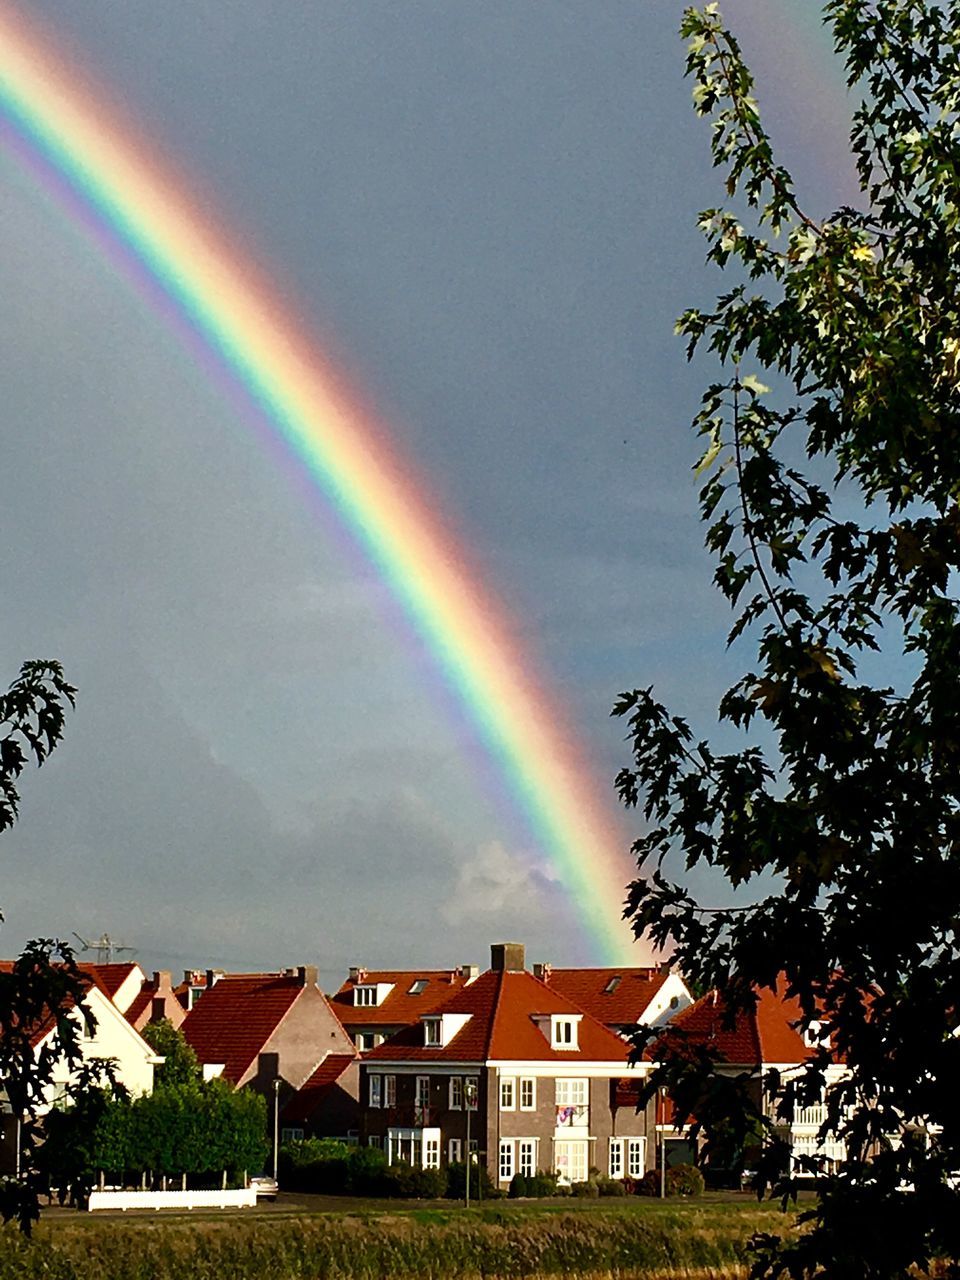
column 470, row 971
column 357, row 973
column 213, row 977
column 161, row 979
column 308, row 974
column 507, row 957
column 543, row 972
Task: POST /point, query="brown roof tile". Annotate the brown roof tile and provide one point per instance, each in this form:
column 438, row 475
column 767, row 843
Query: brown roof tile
column 236, row 1018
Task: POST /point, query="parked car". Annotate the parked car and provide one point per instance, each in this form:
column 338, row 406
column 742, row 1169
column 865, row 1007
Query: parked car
column 266, row 1188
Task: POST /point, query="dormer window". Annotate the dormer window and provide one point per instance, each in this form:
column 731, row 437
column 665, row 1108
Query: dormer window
column 364, row 995
column 418, row 987
column 432, row 1031
column 563, row 1031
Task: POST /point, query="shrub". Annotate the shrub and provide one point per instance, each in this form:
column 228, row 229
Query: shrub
column 519, row 1186
column 481, row 1187
column 684, row 1180
column 542, row 1184
column 611, row 1187
column 585, row 1190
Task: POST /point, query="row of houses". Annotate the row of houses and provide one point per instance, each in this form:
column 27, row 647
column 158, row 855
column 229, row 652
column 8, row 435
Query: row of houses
column 522, row 1069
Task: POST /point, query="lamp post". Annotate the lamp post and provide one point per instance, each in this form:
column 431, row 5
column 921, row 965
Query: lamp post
column 470, row 1101
column 276, row 1124
column 662, row 1116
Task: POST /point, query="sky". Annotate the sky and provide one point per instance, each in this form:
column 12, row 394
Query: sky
column 487, row 216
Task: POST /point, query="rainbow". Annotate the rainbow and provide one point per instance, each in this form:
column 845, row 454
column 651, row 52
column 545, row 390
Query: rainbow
column 184, row 260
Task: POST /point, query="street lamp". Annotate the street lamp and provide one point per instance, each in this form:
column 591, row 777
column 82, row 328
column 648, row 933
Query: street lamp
column 276, row 1124
column 470, row 1102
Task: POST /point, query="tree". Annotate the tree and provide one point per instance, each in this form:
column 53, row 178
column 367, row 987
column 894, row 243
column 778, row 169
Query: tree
column 180, row 1065
column 831, row 506
column 44, row 985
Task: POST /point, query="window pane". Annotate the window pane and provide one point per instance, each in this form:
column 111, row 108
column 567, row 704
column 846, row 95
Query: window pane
column 506, row 1160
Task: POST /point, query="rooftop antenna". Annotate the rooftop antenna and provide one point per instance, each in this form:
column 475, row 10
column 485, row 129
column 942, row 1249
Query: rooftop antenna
column 105, row 947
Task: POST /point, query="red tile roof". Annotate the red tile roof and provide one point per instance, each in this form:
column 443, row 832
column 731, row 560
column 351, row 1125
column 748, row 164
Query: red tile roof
column 504, row 1007
column 109, row 977
column 400, row 1008
column 311, row 1094
column 237, row 1016
column 139, row 1003
column 763, row 1034
column 616, row 997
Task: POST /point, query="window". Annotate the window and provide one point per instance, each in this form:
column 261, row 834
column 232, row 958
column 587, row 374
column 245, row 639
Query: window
column 291, row 1135
column 375, row 1140
column 616, row 1157
column 389, row 1091
column 364, row 995
column 471, row 1091
column 564, row 1032
column 455, row 1150
column 507, row 1093
column 527, row 1157
column 418, row 987
column 431, row 1149
column 423, row 1091
column 528, row 1093
column 431, row 1031
column 612, row 984
column 365, row 1040
column 636, row 1153
column 506, row 1160
column 456, row 1093
column 674, row 1002
column 571, row 1092
column 376, row 1091
column 572, row 1108
column 571, row 1161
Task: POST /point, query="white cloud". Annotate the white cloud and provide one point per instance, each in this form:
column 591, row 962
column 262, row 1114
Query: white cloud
column 497, row 882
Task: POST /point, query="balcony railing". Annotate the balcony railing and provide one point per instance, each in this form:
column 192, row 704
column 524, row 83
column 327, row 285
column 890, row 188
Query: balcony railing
column 573, row 1117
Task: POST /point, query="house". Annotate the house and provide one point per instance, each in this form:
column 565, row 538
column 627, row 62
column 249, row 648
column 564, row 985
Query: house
column 757, row 1040
column 272, row 1032
column 511, row 1071
column 621, row 999
column 112, row 1038
column 139, row 998
column 374, row 1004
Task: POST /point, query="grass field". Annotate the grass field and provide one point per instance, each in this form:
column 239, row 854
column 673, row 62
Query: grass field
column 315, row 1238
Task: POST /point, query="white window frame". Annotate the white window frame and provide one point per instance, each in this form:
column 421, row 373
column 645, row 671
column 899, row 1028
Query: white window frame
column 616, row 1158
column 527, row 1156
column 505, row 1162
column 636, row 1157
column 471, row 1086
column 389, row 1091
column 376, row 1091
column 364, row 997
column 573, row 1091
column 455, row 1099
column 455, row 1151
column 432, row 1033
column 569, row 1170
column 528, row 1085
column 418, row 987
column 563, row 1032
column 431, row 1148
column 422, row 1095
column 375, row 1140
column 508, row 1093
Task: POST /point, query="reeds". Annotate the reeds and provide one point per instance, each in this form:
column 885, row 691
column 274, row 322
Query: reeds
column 497, row 1245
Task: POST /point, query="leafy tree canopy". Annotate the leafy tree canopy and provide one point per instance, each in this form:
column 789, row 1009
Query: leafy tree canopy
column 831, row 508
column 180, row 1065
column 44, row 985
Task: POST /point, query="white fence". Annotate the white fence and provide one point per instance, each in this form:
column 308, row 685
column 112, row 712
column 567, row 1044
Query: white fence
column 245, row 1198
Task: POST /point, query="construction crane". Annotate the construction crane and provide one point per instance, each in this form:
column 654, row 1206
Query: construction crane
column 105, row 947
